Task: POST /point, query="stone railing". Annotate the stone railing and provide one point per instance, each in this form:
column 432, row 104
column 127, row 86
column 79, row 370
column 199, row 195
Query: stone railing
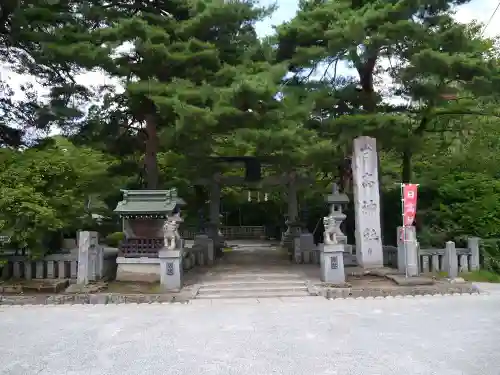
column 450, row 259
column 230, row 232
column 390, row 256
column 305, row 251
column 54, row 266
column 200, row 254
column 464, row 259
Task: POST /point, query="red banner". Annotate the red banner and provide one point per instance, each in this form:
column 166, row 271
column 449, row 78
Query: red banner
column 409, row 203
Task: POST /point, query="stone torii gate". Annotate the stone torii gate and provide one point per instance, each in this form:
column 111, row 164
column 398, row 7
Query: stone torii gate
column 254, row 179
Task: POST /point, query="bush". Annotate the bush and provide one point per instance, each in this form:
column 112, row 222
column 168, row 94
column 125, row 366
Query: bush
column 490, row 255
column 114, row 239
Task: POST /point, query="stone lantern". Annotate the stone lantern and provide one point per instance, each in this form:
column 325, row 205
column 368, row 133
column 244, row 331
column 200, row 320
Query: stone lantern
column 337, row 200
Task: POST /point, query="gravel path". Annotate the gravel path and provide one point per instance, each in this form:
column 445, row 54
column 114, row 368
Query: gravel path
column 312, row 336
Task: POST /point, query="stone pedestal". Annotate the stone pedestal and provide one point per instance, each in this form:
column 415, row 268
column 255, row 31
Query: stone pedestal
column 171, row 272
column 450, row 260
column 367, row 203
column 90, row 258
column 408, row 255
column 332, row 264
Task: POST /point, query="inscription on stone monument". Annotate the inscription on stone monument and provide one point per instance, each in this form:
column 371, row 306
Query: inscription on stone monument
column 370, row 234
column 334, row 262
column 369, row 206
column 170, row 269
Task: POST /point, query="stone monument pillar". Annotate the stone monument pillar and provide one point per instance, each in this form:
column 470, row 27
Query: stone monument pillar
column 367, row 203
column 90, row 258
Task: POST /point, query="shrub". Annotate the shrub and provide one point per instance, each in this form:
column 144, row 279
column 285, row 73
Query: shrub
column 114, row 239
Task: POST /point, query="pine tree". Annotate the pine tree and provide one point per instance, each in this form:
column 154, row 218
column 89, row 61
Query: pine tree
column 415, row 50
column 193, row 72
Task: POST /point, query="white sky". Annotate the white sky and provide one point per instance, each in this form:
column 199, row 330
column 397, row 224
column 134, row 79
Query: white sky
column 480, row 10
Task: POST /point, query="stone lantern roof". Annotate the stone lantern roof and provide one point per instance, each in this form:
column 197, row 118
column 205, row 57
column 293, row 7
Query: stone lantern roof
column 336, row 197
column 153, row 204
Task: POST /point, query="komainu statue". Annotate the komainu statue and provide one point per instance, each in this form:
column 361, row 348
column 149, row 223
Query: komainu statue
column 330, row 234
column 171, row 235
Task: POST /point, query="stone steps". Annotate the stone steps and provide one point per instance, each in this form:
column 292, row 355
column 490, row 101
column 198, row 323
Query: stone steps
column 270, row 289
column 261, row 277
column 245, row 285
column 254, row 294
column 253, row 284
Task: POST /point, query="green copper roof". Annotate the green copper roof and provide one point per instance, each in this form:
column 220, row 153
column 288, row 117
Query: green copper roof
column 148, row 202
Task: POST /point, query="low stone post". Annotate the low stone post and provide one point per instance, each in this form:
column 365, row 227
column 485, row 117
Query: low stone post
column 407, row 256
column 473, row 245
column 401, row 251
column 450, row 260
column 297, row 251
column 90, row 258
column 303, row 245
column 171, row 272
column 332, row 264
column 208, row 247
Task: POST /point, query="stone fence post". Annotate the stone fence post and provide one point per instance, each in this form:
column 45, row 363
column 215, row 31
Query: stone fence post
column 90, row 258
column 208, row 247
column 473, row 245
column 450, row 260
column 407, row 256
column 303, row 243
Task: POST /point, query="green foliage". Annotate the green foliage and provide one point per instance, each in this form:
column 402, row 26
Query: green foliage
column 490, row 254
column 483, row 276
column 114, row 239
column 44, row 191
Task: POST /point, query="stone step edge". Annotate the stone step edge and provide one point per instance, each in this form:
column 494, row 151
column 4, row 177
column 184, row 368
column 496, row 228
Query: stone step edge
column 281, row 276
column 224, row 284
column 407, row 291
column 253, row 295
column 256, row 290
column 137, row 299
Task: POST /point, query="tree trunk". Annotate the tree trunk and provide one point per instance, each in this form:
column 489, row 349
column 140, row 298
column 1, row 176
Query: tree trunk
column 406, row 172
column 150, row 157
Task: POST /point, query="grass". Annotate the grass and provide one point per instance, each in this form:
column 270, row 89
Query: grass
column 481, row 276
